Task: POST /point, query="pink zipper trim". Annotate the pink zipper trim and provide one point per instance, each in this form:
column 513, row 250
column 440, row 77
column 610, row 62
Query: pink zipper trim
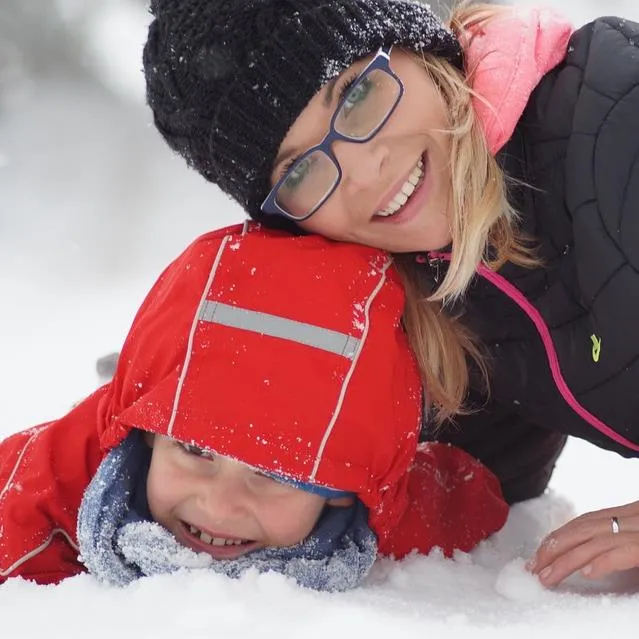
column 553, row 360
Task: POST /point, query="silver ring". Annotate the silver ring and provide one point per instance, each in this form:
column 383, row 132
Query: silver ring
column 614, row 524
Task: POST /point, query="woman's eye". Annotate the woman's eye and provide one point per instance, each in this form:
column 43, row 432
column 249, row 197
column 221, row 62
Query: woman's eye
column 357, row 95
column 299, row 173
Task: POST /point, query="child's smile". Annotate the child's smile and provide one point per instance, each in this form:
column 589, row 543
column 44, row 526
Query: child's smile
column 217, row 545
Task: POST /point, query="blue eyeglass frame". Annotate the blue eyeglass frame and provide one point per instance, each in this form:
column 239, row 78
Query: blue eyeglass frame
column 380, row 61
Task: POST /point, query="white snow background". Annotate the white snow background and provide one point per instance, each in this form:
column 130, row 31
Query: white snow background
column 92, row 206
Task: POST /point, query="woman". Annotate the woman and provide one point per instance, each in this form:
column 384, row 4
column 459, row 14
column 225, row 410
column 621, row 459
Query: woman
column 496, row 159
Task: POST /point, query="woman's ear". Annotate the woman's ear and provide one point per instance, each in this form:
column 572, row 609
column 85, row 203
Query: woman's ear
column 340, row 502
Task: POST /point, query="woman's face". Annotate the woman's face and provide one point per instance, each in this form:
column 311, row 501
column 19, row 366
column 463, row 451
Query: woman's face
column 367, row 207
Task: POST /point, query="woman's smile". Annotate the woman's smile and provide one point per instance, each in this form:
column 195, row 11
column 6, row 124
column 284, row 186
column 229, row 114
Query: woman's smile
column 411, row 197
column 401, row 195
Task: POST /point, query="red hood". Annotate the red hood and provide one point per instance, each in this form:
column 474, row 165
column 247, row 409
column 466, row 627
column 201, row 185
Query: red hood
column 344, row 420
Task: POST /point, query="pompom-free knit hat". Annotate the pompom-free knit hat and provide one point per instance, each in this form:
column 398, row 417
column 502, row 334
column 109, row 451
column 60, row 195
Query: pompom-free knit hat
column 226, row 79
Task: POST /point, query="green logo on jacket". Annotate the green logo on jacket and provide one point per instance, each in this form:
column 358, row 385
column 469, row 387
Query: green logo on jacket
column 596, row 347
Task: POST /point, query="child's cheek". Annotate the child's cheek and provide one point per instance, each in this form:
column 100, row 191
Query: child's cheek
column 292, row 521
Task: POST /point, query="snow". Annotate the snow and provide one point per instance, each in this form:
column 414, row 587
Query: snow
column 486, row 594
column 93, row 207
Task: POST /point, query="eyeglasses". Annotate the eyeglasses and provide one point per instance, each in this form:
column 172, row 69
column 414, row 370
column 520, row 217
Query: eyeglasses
column 359, row 116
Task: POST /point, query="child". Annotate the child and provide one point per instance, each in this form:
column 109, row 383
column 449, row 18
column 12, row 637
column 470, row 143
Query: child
column 264, row 412
column 498, row 155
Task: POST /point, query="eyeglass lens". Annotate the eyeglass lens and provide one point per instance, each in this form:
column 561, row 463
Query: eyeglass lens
column 309, row 181
column 364, row 110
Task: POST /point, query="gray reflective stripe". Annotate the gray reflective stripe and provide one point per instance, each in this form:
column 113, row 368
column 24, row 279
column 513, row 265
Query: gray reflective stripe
column 274, row 326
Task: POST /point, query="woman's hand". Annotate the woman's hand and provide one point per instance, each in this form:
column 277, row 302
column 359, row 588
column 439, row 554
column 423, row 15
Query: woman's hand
column 596, row 544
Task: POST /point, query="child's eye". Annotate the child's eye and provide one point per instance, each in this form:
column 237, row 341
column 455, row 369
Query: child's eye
column 261, row 475
column 191, row 449
column 266, row 481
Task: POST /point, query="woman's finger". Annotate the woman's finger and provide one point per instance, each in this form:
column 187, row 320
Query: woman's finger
column 574, row 559
column 571, row 535
column 623, row 556
column 579, row 532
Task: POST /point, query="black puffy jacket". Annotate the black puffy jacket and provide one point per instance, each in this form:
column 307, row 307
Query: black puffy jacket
column 577, row 145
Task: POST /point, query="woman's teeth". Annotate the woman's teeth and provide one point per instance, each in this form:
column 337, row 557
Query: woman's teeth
column 402, row 196
column 216, row 541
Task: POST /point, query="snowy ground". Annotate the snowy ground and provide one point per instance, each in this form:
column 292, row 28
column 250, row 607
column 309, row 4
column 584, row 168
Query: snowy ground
column 91, row 208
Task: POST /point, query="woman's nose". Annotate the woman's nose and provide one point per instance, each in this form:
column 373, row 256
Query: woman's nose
column 361, row 163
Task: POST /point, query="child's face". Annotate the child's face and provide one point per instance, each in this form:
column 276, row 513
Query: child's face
column 220, row 506
column 375, row 173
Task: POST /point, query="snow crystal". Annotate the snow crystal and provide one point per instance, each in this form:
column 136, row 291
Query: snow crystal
column 332, row 68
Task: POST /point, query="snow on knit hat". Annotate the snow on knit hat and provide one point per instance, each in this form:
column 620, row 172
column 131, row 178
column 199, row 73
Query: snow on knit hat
column 226, row 79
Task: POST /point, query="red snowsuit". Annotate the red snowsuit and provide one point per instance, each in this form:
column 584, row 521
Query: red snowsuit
column 276, row 393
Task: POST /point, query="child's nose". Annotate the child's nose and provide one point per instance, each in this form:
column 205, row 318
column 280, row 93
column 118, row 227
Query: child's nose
column 225, row 496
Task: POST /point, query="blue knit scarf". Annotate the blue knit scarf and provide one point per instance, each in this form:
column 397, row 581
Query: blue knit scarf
column 120, row 543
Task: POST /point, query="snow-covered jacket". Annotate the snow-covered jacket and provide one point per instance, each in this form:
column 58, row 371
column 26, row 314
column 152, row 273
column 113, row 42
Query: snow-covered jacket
column 285, row 352
column 563, row 115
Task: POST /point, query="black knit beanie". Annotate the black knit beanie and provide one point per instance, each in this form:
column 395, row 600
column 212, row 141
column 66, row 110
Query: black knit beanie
column 226, row 79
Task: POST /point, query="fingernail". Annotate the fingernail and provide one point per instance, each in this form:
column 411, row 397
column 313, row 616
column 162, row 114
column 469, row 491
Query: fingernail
column 586, row 570
column 530, row 564
column 545, row 573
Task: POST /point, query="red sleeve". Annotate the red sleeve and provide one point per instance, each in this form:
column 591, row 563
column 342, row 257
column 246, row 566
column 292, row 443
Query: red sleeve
column 454, row 503
column 55, row 560
column 43, row 474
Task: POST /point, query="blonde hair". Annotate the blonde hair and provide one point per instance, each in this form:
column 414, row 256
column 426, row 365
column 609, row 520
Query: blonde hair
column 483, row 230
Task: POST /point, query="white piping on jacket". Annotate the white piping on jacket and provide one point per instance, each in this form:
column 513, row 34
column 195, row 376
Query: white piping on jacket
column 189, row 347
column 44, row 545
column 18, row 462
column 351, row 370
column 41, row 548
